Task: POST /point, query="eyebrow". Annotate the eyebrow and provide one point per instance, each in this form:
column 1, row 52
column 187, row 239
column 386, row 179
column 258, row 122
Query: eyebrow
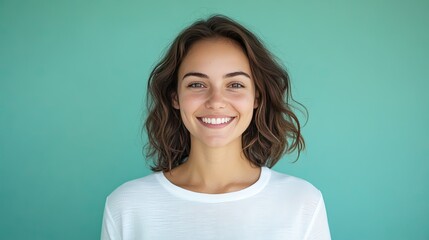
column 228, row 75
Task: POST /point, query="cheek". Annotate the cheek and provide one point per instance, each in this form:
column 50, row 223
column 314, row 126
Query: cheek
column 244, row 102
column 190, row 102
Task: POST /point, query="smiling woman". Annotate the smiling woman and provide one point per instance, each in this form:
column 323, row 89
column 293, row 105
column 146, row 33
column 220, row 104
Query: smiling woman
column 216, row 86
column 219, row 119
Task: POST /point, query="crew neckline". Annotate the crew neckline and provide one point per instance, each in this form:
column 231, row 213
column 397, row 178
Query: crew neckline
column 249, row 191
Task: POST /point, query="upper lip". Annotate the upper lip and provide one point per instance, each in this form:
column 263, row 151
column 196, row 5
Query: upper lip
column 215, row 116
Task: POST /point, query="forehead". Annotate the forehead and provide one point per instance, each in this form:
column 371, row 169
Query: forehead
column 215, row 54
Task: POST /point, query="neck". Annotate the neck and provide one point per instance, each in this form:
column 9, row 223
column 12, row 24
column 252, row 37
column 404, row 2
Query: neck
column 215, row 170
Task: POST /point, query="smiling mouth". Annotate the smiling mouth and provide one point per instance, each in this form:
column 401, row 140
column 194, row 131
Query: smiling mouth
column 216, row 121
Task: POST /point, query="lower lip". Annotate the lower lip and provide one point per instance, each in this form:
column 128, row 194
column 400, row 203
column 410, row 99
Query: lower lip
column 215, row 125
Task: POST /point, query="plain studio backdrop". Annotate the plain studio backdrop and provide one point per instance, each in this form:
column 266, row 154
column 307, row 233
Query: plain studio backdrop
column 73, row 85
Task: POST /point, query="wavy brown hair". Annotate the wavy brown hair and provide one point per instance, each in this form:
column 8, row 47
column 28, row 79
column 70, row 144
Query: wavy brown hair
column 274, row 129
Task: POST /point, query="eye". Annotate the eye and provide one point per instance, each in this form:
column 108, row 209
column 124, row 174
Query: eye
column 196, row 85
column 236, row 85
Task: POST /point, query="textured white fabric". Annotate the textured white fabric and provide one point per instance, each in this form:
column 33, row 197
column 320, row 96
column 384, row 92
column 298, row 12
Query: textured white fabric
column 277, row 206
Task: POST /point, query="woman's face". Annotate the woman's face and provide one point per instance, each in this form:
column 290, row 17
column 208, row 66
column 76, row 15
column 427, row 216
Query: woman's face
column 216, row 92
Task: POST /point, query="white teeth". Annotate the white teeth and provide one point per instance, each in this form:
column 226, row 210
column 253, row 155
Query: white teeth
column 216, row 121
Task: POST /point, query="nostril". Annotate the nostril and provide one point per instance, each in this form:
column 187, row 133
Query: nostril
column 216, row 101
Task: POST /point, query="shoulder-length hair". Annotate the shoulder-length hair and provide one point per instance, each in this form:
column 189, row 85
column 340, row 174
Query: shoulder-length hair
column 274, row 129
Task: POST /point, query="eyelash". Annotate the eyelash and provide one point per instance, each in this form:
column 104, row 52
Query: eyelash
column 237, row 85
column 201, row 85
column 196, row 85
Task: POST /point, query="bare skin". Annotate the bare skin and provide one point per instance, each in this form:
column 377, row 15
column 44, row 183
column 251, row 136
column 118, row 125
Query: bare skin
column 209, row 175
column 215, row 82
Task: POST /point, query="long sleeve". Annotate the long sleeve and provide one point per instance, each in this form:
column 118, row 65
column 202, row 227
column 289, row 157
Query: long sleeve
column 319, row 228
column 108, row 229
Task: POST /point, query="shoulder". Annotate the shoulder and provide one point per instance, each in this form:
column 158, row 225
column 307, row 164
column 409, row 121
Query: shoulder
column 135, row 191
column 293, row 187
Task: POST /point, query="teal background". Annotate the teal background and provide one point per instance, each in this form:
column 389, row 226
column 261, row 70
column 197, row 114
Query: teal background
column 73, row 81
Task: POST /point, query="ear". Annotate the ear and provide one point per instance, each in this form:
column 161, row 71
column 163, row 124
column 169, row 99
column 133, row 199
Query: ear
column 256, row 103
column 175, row 100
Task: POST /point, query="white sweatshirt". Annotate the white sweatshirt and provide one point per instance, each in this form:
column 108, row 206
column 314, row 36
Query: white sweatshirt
column 277, row 206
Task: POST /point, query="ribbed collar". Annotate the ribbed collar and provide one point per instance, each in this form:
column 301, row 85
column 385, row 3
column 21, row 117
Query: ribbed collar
column 253, row 189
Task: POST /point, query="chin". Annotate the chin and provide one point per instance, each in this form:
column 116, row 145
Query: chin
column 221, row 142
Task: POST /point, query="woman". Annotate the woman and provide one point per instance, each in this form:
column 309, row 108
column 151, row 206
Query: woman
column 219, row 119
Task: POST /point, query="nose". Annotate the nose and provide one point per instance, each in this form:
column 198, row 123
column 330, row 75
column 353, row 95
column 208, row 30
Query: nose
column 215, row 99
